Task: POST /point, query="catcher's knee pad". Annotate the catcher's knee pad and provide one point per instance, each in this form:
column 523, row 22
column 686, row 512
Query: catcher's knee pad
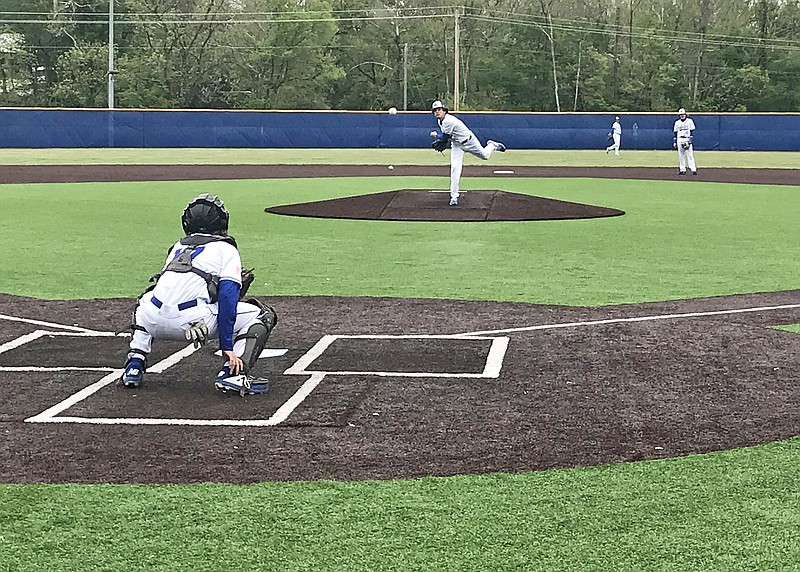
column 255, row 341
column 267, row 316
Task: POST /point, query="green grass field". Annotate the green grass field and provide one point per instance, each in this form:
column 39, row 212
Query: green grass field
column 731, row 511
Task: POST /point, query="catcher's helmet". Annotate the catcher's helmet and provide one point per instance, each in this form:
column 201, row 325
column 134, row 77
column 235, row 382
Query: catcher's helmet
column 206, row 214
column 438, row 105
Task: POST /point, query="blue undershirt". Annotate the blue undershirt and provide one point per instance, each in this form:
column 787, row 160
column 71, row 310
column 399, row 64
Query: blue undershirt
column 227, row 299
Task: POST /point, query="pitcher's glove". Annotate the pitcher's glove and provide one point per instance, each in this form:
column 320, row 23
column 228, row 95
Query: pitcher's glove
column 248, row 276
column 440, row 144
column 686, row 144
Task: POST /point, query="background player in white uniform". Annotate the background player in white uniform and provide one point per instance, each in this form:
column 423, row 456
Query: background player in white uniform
column 682, row 141
column 616, row 135
column 461, row 140
column 196, row 296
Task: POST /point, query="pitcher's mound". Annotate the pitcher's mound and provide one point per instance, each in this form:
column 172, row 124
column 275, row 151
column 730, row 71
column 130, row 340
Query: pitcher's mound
column 425, row 205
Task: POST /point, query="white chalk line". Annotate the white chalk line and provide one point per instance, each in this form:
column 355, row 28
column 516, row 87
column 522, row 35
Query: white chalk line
column 54, row 325
column 37, row 334
column 296, row 399
column 480, row 375
column 624, row 320
column 35, row 368
column 494, row 361
column 165, row 421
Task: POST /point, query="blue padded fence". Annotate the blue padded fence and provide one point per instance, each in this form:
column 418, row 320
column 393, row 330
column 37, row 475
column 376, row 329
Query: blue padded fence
column 82, row 128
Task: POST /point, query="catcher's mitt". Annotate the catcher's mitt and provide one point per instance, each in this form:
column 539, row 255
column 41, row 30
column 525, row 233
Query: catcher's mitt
column 685, row 145
column 197, row 333
column 441, row 144
column 247, row 278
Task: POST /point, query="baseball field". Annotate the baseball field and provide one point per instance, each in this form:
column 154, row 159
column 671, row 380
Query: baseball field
column 605, row 391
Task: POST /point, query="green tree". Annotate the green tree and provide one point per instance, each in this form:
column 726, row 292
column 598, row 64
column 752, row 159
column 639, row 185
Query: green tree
column 81, row 78
column 287, row 61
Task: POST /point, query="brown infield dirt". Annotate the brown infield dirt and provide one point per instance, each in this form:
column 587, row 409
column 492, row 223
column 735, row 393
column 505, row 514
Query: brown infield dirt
column 379, row 388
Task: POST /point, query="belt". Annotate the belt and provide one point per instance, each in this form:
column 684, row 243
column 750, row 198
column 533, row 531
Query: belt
column 182, row 306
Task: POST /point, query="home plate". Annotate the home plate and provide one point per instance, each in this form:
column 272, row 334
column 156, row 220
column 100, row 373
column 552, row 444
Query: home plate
column 503, row 172
column 269, row 352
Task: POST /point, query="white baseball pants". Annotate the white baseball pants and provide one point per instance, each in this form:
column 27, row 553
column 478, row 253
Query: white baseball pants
column 169, row 323
column 471, row 145
column 685, row 156
column 615, row 146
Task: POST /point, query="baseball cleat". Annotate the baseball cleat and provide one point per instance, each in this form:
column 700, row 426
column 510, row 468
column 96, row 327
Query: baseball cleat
column 453, row 202
column 241, row 384
column 134, row 372
column 694, row 172
column 233, row 383
column 497, row 145
column 681, row 172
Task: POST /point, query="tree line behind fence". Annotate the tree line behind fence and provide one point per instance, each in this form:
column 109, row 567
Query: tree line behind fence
column 532, row 55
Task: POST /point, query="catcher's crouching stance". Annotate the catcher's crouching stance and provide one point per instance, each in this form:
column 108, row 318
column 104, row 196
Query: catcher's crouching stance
column 198, row 295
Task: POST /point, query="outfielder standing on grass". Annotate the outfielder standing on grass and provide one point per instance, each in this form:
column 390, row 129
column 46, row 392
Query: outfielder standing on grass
column 615, row 135
column 198, row 295
column 682, row 141
column 456, row 135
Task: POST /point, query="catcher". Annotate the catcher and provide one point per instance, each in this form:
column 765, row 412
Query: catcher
column 198, row 295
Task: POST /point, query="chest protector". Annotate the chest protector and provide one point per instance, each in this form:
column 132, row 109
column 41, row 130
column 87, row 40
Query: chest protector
column 183, row 262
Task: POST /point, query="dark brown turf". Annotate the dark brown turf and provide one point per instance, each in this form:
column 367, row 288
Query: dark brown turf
column 112, row 173
column 586, row 394
column 430, row 205
column 565, row 396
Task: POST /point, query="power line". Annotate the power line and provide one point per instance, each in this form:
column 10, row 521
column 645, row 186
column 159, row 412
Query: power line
column 484, row 15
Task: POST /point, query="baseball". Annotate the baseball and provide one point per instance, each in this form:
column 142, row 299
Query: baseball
column 391, row 167
column 392, row 111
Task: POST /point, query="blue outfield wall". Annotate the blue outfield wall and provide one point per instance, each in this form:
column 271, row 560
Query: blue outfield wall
column 81, row 128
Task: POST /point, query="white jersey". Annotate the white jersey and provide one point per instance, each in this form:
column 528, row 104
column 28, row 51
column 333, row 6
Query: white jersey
column 219, row 258
column 616, row 129
column 683, row 128
column 456, row 129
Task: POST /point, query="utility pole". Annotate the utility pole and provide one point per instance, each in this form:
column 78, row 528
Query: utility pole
column 405, row 76
column 456, row 62
column 111, row 71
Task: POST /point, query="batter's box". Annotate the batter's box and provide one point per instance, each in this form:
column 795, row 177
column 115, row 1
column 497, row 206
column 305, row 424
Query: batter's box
column 404, row 356
column 46, row 350
column 43, row 350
